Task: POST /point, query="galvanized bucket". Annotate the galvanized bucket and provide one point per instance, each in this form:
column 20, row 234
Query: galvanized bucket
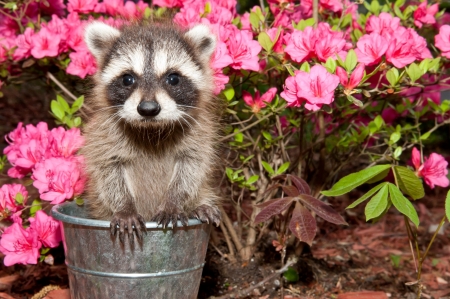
column 168, row 264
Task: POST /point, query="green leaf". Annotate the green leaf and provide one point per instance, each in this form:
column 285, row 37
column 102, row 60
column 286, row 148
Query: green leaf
column 399, row 13
column 379, row 176
column 267, row 167
column 395, row 137
column 402, row 204
column 392, row 76
column 398, row 151
column 79, row 201
column 265, row 41
column 254, row 20
column 395, row 259
column 267, row 135
column 367, row 195
column 378, row 204
column 77, row 121
column 351, row 181
column 77, row 104
column 45, row 250
column 331, row 65
column 57, row 110
column 350, row 61
column 414, row 72
column 19, row 198
column 252, row 179
column 283, row 168
column 375, row 7
column 447, row 206
column 399, row 3
column 63, row 103
column 424, row 65
column 36, row 205
column 434, row 65
column 408, row 182
column 239, row 137
column 229, row 173
column 305, row 67
column 425, row 136
column 291, row 275
column 379, row 121
column 228, row 92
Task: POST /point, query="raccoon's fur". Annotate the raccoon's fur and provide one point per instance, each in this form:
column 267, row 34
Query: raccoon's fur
column 150, row 141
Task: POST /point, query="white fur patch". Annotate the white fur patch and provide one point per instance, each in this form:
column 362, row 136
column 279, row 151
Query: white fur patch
column 198, row 34
column 129, row 110
column 132, row 59
column 99, row 31
column 169, row 109
column 160, row 62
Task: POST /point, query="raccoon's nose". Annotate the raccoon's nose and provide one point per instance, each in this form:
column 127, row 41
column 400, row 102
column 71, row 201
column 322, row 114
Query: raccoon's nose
column 148, row 108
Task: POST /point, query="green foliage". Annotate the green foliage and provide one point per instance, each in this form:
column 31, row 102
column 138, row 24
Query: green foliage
column 64, row 113
column 291, row 275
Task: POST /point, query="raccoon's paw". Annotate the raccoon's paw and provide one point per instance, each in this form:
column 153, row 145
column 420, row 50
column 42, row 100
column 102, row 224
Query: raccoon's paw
column 207, row 214
column 126, row 223
column 164, row 217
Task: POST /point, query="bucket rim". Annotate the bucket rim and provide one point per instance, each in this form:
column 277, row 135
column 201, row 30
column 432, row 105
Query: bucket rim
column 57, row 213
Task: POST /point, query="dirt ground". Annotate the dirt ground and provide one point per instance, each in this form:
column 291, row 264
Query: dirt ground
column 360, row 257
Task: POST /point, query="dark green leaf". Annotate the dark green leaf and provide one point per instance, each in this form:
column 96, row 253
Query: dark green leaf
column 291, row 275
column 367, row 195
column 351, row 181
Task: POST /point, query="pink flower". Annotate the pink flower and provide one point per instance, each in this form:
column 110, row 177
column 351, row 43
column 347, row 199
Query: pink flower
column 259, row 101
column 81, row 64
column 168, row 3
column 316, row 87
column 328, row 44
column 425, row 15
column 371, row 48
column 355, row 77
column 19, row 246
column 66, row 143
column 82, row 6
column 58, row 179
column 433, row 170
column 46, row 228
column 187, row 17
column 384, row 23
column 243, row 50
column 52, row 7
column 301, row 44
column 45, row 44
column 442, row 40
column 290, row 92
column 8, row 193
column 219, row 81
column 24, row 45
column 400, row 51
column 278, row 46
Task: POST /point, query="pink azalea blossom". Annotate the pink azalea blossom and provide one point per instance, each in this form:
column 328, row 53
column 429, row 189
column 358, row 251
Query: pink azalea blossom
column 290, row 91
column 8, row 193
column 81, row 64
column 46, row 228
column 82, row 6
column 258, row 101
column 400, row 51
column 24, row 44
column 219, row 81
column 301, row 44
column 58, row 179
column 278, row 46
column 383, row 24
column 371, row 48
column 52, row 7
column 45, row 44
column 434, row 170
column 442, row 40
column 19, row 246
column 243, row 50
column 355, row 77
column 66, row 143
column 425, row 15
column 187, row 17
column 316, row 87
column 168, row 3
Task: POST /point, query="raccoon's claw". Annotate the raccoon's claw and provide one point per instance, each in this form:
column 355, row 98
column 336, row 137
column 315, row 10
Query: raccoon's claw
column 125, row 224
column 207, row 214
column 164, row 218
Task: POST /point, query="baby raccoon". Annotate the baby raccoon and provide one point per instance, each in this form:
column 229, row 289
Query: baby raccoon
column 150, row 142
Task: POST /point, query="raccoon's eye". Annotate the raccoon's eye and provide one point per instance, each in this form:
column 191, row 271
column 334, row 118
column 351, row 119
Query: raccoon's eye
column 173, row 79
column 127, row 80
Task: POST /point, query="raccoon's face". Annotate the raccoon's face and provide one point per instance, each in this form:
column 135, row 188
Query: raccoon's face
column 152, row 74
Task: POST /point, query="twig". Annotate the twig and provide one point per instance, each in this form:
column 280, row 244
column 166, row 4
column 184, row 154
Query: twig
column 60, row 85
column 244, row 292
column 227, row 223
column 231, row 256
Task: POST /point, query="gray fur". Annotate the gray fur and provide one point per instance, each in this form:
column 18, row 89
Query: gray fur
column 141, row 165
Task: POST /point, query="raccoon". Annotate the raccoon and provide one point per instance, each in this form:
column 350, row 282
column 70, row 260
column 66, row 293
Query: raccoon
column 151, row 138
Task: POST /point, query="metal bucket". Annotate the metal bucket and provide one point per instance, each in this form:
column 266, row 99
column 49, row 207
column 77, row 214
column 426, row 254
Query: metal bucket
column 167, row 265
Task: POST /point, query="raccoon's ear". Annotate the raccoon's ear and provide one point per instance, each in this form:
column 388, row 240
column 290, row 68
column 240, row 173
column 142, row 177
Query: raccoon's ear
column 99, row 37
column 203, row 39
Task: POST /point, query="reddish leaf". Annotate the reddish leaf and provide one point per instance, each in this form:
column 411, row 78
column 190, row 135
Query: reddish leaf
column 280, row 177
column 273, row 209
column 300, row 183
column 303, row 225
column 266, row 203
column 290, row 190
column 322, row 210
column 271, row 188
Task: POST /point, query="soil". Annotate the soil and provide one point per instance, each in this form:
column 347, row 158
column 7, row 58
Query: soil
column 373, row 257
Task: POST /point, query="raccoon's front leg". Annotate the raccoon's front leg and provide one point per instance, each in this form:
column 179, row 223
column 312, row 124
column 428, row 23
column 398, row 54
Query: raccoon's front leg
column 125, row 219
